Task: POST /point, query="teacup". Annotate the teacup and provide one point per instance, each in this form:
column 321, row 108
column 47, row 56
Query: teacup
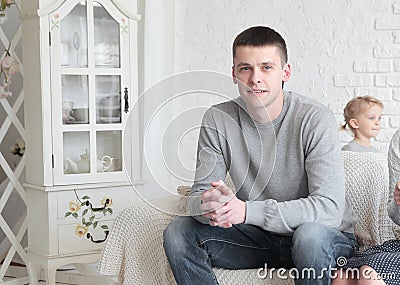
column 81, row 114
column 67, row 111
column 111, row 164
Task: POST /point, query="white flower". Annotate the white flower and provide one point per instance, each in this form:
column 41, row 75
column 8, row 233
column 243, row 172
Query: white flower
column 13, row 149
column 4, row 93
column 20, row 143
column 10, row 65
column 6, row 4
column 18, row 148
column 3, row 5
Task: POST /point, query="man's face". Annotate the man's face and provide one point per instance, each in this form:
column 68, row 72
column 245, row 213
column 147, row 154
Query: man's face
column 259, row 74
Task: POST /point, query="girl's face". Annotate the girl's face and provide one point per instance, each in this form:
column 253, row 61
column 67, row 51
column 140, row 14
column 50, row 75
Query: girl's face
column 368, row 123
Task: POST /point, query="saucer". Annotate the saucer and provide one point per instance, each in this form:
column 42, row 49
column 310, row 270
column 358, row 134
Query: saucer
column 78, row 122
column 109, row 120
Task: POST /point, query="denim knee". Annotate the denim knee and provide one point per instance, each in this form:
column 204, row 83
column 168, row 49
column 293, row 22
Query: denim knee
column 173, row 236
column 180, row 234
column 312, row 245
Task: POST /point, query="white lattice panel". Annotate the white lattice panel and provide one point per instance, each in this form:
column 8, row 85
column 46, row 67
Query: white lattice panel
column 11, row 245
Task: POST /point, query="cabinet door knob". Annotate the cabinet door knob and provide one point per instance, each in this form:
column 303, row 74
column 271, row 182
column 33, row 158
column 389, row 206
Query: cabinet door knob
column 126, row 109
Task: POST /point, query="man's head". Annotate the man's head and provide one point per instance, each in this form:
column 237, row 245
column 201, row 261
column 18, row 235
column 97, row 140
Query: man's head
column 259, row 37
column 259, row 68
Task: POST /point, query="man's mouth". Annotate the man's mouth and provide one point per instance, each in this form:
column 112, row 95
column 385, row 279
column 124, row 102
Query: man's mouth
column 257, row 91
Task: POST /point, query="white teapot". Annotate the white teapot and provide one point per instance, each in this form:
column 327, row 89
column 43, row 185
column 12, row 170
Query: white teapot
column 70, row 166
column 102, row 165
column 84, row 163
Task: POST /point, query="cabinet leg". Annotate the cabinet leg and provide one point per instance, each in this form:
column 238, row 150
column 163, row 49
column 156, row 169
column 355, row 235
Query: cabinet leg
column 33, row 272
column 50, row 274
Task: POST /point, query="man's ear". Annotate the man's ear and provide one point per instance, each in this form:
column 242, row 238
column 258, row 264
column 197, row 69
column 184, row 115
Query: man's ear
column 234, row 75
column 287, row 71
column 353, row 123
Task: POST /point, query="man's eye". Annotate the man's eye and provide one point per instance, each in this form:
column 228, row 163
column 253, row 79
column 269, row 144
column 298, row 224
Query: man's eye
column 267, row 67
column 244, row 68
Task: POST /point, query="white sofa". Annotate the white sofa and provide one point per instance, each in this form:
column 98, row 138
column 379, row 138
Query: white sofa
column 134, row 254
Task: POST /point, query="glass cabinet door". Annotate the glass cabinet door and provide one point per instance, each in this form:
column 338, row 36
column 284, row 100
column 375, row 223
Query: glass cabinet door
column 74, row 37
column 75, row 99
column 106, row 38
column 108, row 99
column 90, row 85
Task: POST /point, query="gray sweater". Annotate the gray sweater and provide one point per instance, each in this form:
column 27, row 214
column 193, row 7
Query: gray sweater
column 355, row 146
column 394, row 176
column 289, row 171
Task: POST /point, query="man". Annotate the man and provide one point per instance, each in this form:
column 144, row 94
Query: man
column 282, row 151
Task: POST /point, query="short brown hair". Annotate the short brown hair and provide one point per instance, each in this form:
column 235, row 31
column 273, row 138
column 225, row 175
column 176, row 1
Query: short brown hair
column 356, row 106
column 260, row 36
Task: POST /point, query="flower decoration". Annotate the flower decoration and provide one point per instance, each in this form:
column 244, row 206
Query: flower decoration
column 81, row 230
column 90, row 217
column 4, row 4
column 18, row 148
column 107, row 202
column 9, row 65
column 74, row 207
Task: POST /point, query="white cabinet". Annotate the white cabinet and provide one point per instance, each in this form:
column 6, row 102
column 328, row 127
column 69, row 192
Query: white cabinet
column 88, row 118
column 80, row 57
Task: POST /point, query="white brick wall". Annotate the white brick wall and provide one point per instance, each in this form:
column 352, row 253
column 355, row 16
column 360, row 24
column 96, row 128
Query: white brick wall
column 338, row 49
column 372, row 66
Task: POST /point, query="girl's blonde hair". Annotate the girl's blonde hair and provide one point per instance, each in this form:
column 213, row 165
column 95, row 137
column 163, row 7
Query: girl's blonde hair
column 356, row 106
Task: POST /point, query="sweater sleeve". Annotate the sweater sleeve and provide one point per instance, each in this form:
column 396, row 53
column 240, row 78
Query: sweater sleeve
column 394, row 176
column 324, row 170
column 210, row 165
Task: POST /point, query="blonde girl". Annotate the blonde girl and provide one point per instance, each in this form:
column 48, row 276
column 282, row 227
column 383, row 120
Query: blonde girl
column 362, row 116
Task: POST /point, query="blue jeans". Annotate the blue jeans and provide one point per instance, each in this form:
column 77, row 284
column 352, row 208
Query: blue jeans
column 193, row 248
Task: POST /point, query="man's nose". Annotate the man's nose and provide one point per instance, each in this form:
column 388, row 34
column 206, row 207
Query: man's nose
column 256, row 76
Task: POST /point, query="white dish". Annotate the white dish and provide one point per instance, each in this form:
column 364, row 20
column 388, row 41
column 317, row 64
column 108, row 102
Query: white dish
column 103, row 64
column 101, row 95
column 109, row 120
column 77, row 122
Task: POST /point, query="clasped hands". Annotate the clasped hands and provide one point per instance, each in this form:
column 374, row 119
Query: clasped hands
column 221, row 206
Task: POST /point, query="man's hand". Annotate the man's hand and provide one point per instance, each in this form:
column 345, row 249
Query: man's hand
column 221, row 206
column 396, row 193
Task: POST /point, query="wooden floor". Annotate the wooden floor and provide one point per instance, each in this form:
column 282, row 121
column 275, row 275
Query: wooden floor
column 22, row 281
column 59, row 283
column 11, row 280
column 17, row 275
